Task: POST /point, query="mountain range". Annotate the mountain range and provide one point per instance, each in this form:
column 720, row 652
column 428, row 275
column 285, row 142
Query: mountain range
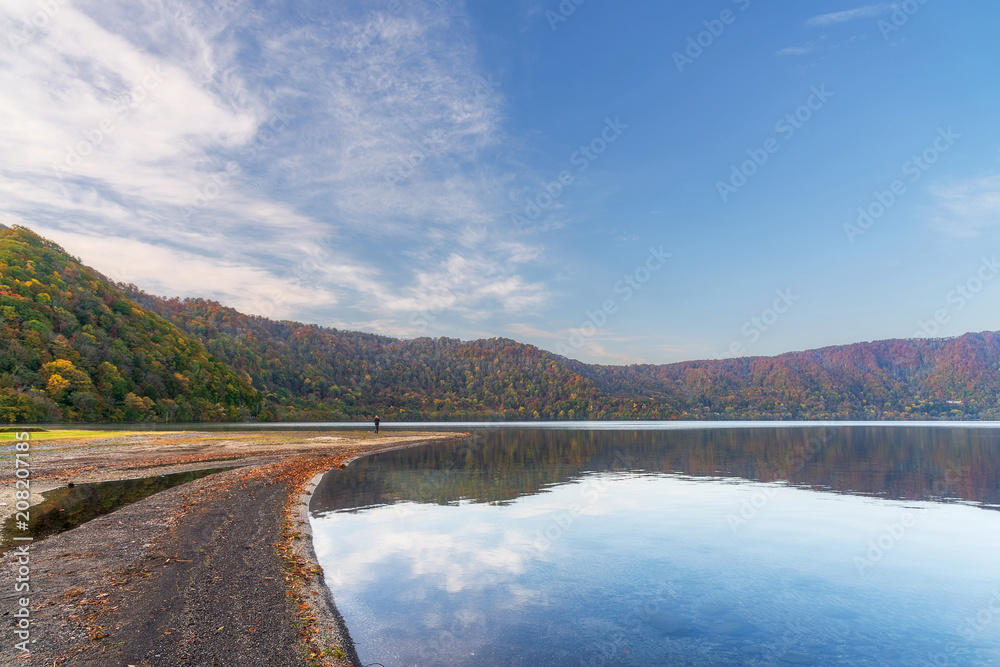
column 77, row 347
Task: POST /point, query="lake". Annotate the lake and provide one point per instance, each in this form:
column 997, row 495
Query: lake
column 697, row 544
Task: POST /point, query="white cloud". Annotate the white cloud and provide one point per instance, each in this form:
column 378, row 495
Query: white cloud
column 160, row 134
column 867, row 11
column 968, row 208
column 168, row 271
column 456, row 562
column 400, row 125
column 526, row 330
column 602, row 347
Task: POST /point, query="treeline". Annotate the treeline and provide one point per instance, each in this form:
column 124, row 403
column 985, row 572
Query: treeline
column 311, row 372
column 76, row 347
column 884, row 380
column 306, row 372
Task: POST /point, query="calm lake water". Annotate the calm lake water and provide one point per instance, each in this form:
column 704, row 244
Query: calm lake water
column 836, row 544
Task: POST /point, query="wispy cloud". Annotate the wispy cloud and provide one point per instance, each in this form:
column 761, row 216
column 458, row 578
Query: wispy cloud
column 167, row 271
column 968, row 208
column 833, row 18
column 794, row 51
column 604, row 346
column 243, row 137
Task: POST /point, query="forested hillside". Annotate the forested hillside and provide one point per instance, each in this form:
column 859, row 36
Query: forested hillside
column 76, row 347
column 73, row 347
column 892, row 379
column 310, row 372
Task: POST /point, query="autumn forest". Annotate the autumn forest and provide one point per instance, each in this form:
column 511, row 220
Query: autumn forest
column 76, row 347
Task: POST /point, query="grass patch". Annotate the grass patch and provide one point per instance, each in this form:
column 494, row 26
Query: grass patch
column 67, row 434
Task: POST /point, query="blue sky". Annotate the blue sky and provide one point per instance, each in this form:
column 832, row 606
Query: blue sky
column 618, row 182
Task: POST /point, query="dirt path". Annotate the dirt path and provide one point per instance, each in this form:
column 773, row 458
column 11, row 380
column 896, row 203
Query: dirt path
column 214, row 572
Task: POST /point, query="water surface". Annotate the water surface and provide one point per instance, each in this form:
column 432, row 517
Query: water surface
column 67, row 507
column 807, row 545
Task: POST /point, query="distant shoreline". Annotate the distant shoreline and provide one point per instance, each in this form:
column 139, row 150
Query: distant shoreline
column 396, row 427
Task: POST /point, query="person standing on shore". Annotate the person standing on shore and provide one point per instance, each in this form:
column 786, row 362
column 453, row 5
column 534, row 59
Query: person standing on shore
column 377, row 420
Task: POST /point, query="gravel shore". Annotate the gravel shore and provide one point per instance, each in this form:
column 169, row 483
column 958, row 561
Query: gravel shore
column 218, row 571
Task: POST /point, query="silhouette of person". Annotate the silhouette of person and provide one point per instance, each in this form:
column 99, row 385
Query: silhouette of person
column 377, row 420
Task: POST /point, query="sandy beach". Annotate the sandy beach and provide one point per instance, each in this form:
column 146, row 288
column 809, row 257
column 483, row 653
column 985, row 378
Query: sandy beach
column 218, row 571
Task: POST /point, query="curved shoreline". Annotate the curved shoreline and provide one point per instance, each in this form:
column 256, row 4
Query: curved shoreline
column 332, row 628
column 195, row 574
